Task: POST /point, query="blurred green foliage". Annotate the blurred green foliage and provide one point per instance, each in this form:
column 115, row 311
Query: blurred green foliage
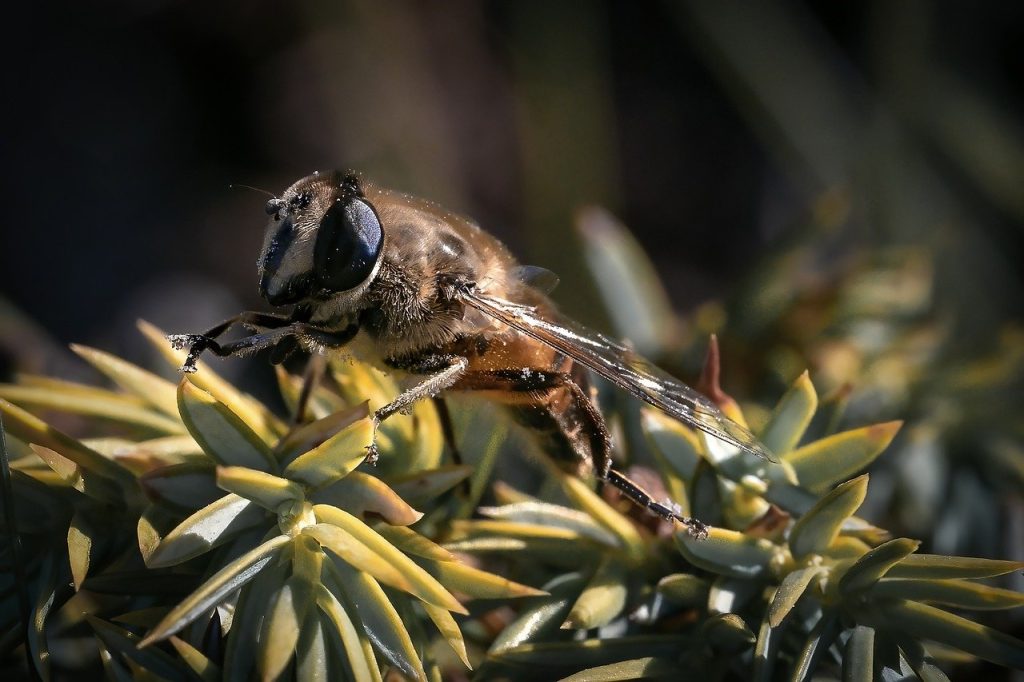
column 194, row 516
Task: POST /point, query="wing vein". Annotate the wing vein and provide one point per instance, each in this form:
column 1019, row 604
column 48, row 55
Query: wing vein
column 622, row 367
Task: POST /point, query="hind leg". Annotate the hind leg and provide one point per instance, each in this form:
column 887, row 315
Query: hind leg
column 630, row 489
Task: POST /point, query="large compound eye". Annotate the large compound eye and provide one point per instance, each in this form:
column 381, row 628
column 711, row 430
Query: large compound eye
column 347, row 244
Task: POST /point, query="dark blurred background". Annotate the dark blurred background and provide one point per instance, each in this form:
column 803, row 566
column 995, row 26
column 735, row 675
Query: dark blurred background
column 709, row 129
column 773, row 157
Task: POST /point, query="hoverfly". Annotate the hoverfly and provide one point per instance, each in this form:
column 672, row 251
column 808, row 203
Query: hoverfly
column 410, row 286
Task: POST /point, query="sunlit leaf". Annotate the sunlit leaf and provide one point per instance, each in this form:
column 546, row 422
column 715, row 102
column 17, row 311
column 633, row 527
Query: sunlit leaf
column 928, row 622
column 223, row 583
column 791, row 417
column 674, row 482
column 30, row 429
column 83, row 480
column 790, row 590
column 959, row 594
column 603, row 513
column 684, row 589
column 266, row 490
column 358, row 555
column 411, row 542
column 80, row 544
column 544, row 514
column 306, row 437
column 362, row 494
column 449, row 629
column 727, row 633
column 253, row 606
column 194, row 658
column 787, row 495
column 823, row 463
column 307, row 567
column 166, row 451
column 361, row 661
column 320, row 588
column 542, row 617
column 221, row 433
column 155, row 390
column 482, row 432
column 766, row 649
column 483, row 528
column 319, row 403
column 410, row 442
column 678, row 445
column 359, row 381
column 311, row 658
column 335, row 457
column 121, row 409
column 846, row 547
column 428, row 441
column 869, row 568
column 816, row 530
column 417, row 581
column 648, row 668
column 602, row 599
column 280, row 634
column 207, row 528
column 376, row 613
column 939, row 567
column 727, row 552
column 458, row 577
column 154, row 523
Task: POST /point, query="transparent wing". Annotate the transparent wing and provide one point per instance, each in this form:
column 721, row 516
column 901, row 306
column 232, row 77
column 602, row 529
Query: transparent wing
column 622, row 367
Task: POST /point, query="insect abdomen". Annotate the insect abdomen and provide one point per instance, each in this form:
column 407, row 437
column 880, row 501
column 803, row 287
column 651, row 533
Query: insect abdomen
column 564, row 427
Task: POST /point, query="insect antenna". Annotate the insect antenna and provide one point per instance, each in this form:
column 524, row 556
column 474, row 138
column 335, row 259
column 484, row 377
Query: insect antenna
column 255, row 189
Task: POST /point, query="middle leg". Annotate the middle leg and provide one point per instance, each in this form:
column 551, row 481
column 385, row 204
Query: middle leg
column 442, row 371
column 628, row 487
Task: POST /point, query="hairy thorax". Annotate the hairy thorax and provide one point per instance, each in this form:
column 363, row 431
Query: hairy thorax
column 411, row 307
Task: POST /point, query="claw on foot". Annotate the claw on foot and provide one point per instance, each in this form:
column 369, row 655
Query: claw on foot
column 372, row 455
column 697, row 529
column 180, row 341
column 195, row 343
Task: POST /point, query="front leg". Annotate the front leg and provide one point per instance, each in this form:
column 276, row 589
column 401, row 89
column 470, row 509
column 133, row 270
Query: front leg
column 306, row 334
column 197, row 343
column 442, row 370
